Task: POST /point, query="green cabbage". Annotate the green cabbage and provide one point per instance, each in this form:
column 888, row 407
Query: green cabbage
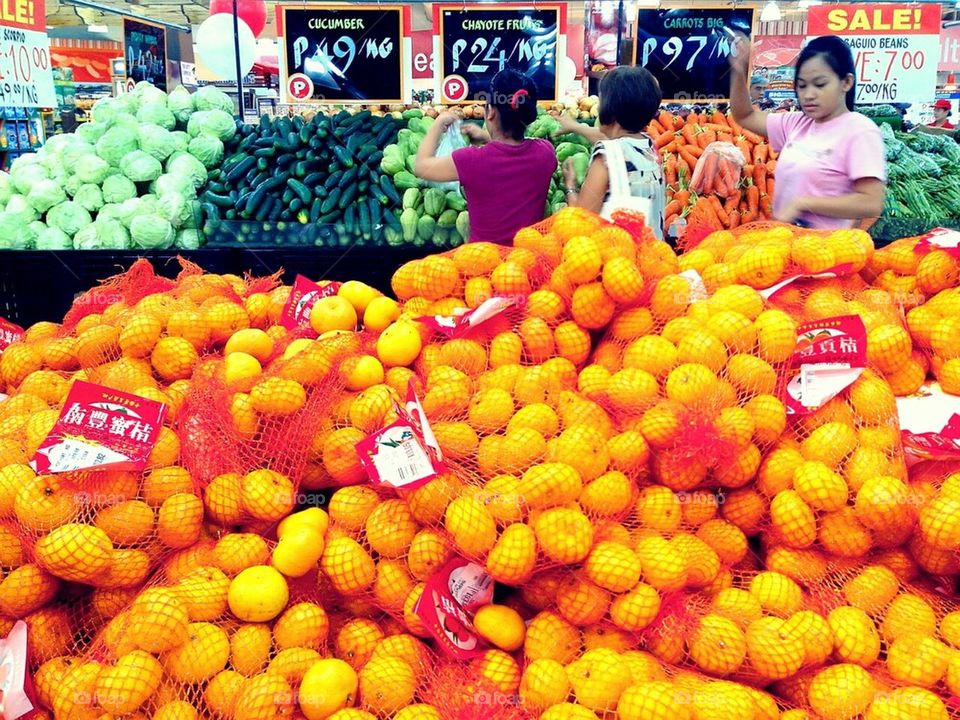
column 91, row 169
column 104, row 234
column 19, row 206
column 157, row 141
column 90, row 197
column 175, row 208
column 128, row 103
column 188, row 239
column 54, row 239
column 151, row 232
column 6, row 188
column 118, row 188
column 72, row 184
column 91, row 131
column 15, row 234
column 105, row 110
column 72, row 154
column 71, row 217
column 180, row 103
column 149, row 94
column 212, row 122
column 194, row 217
column 187, row 164
column 116, row 144
column 174, row 183
column 130, row 209
column 141, row 167
column 27, row 173
column 45, row 194
column 207, row 149
column 212, row 98
column 181, row 140
column 157, row 114
column 126, row 121
column 38, row 226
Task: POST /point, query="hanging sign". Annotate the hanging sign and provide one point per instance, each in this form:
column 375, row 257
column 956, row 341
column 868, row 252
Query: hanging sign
column 145, row 48
column 26, row 72
column 343, row 53
column 688, row 49
column 896, row 48
column 477, row 42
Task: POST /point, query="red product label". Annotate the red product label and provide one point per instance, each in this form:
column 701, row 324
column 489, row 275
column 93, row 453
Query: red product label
column 830, row 355
column 17, row 697
column 930, row 424
column 446, row 607
column 100, row 428
column 464, row 321
column 405, row 454
column 9, row 334
column 874, row 19
column 303, row 296
column 939, row 239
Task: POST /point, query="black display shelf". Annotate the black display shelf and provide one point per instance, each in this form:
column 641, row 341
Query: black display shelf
column 41, row 285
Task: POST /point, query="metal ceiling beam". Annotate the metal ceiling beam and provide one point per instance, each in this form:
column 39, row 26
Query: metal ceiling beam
column 113, row 11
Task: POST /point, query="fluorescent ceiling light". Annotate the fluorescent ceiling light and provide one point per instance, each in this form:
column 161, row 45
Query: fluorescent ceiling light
column 771, row 12
column 102, row 29
column 804, row 4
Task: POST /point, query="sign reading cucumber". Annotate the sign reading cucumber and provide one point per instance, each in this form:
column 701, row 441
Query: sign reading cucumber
column 479, row 42
column 341, row 53
column 688, row 49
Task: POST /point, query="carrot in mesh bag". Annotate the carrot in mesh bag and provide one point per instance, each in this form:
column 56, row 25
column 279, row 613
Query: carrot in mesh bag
column 718, row 170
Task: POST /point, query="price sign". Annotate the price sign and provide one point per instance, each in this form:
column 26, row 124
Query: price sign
column 479, row 42
column 145, row 48
column 688, row 49
column 896, row 48
column 341, row 53
column 26, row 74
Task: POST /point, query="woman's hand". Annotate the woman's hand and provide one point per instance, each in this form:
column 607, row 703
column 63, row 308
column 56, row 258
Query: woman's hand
column 793, row 210
column 446, row 119
column 740, row 50
column 567, row 125
column 475, row 133
column 569, row 174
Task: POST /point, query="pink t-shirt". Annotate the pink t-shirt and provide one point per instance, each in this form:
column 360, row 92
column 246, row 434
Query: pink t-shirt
column 824, row 159
column 506, row 186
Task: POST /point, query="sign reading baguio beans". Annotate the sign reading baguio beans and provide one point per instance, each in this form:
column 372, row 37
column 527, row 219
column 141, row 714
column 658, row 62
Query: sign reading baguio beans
column 26, row 74
column 343, row 53
column 478, row 42
column 896, row 47
column 688, row 49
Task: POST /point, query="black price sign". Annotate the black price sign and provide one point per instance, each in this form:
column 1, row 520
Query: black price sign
column 480, row 42
column 343, row 53
column 688, row 49
column 145, row 48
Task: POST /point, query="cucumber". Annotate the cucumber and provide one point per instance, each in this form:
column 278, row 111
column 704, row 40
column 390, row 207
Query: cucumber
column 348, row 195
column 343, row 157
column 241, row 169
column 300, row 189
column 331, row 202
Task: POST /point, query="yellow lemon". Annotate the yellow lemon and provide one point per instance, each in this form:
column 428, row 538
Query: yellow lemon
column 297, row 347
column 501, row 626
column 333, row 313
column 361, row 371
column 380, row 313
column 399, row 344
column 240, row 370
column 358, row 294
column 298, row 552
column 258, row 594
column 251, row 341
column 328, row 686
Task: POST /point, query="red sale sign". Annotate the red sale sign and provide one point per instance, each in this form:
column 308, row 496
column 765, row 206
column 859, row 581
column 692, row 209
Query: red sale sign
column 9, row 334
column 100, row 428
column 896, row 47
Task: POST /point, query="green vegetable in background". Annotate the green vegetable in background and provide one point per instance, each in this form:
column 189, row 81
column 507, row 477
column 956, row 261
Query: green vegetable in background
column 463, row 225
column 406, row 180
column 151, row 232
column 434, row 202
column 581, row 163
column 412, row 198
column 408, row 222
column 568, row 149
column 141, row 167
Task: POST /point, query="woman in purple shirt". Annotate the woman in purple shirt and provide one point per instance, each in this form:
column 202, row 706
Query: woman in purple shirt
column 505, row 177
column 831, row 170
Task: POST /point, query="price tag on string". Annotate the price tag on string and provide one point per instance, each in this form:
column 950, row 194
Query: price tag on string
column 939, row 239
column 463, row 321
column 100, row 428
column 10, row 333
column 447, row 604
column 26, row 72
column 17, row 696
column 836, row 271
column 930, row 424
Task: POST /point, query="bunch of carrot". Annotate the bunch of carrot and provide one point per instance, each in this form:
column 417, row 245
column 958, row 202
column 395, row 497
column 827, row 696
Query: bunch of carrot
column 682, row 142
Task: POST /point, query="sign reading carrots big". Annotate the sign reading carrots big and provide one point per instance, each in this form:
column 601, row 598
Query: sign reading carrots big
column 896, row 47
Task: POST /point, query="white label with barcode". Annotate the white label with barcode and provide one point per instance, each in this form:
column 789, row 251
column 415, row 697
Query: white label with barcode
column 400, row 462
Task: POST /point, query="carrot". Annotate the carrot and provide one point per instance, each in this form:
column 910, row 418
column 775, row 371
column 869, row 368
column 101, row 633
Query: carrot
column 751, row 136
column 655, row 128
column 683, row 197
column 737, row 129
column 706, row 138
column 668, row 223
column 718, row 208
column 760, row 153
column 770, row 186
column 719, row 118
column 670, row 170
column 687, row 155
column 690, row 133
column 753, row 199
column 672, row 208
column 664, row 139
column 766, row 206
column 734, row 219
column 748, row 171
column 682, row 165
column 695, row 150
column 746, row 148
column 670, row 147
column 771, row 167
column 760, row 176
column 666, row 119
column 725, row 137
column 702, row 172
column 709, row 212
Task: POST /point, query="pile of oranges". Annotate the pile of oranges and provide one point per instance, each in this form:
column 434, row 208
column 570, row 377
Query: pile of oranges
column 662, row 539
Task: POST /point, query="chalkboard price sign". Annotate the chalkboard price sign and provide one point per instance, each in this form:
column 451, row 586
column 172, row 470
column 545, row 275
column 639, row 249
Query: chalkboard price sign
column 688, row 49
column 479, row 42
column 145, row 48
column 343, row 53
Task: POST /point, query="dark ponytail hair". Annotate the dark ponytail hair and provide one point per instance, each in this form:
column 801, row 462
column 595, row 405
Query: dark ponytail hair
column 514, row 95
column 835, row 53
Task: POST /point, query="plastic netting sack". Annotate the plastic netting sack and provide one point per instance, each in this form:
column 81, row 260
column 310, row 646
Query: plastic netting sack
column 718, row 170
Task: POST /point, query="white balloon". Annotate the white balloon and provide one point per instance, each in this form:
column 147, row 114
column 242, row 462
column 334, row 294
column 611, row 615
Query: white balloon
column 214, row 42
column 568, row 74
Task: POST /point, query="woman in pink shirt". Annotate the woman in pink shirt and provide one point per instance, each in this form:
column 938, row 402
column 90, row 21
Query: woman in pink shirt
column 505, row 177
column 831, row 170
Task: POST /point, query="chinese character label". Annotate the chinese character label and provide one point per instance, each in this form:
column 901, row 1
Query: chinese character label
column 447, row 604
column 303, row 296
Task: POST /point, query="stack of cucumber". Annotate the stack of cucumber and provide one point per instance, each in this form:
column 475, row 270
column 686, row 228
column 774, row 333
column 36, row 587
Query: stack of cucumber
column 297, row 181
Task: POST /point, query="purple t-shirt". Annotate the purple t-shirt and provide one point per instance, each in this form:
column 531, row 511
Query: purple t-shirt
column 824, row 159
column 506, row 186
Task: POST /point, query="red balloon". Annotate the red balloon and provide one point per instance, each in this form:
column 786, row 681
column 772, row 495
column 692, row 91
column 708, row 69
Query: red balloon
column 252, row 12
